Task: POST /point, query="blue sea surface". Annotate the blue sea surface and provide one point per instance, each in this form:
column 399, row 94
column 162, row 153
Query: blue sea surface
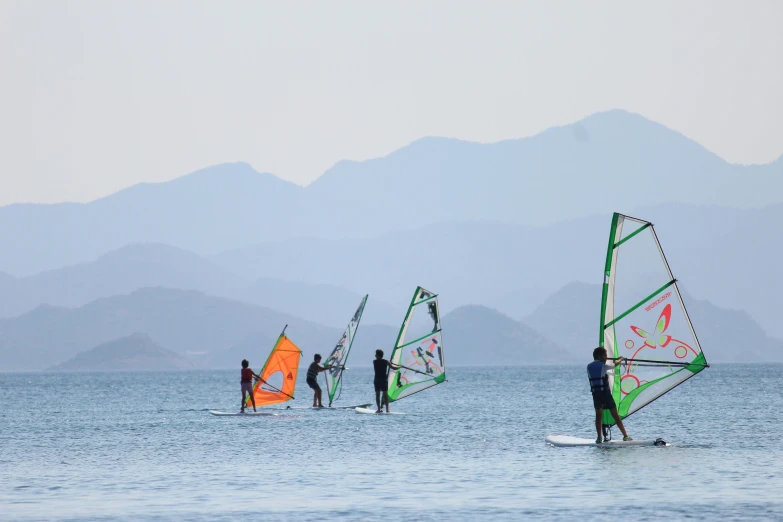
column 143, row 446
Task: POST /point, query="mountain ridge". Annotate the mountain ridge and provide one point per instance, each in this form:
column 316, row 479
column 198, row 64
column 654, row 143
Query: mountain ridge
column 143, row 265
column 507, row 266
column 137, row 351
column 218, row 333
column 514, row 267
column 603, row 161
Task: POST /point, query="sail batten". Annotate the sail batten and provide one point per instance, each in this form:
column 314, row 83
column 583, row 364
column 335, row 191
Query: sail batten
column 629, row 236
column 654, row 332
column 422, row 359
column 416, row 341
column 640, row 303
column 339, row 355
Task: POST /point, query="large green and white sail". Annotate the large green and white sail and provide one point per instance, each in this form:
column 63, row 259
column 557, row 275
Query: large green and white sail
column 339, row 355
column 419, row 348
column 643, row 318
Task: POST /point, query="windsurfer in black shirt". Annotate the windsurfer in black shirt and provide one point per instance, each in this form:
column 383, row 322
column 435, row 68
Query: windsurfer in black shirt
column 312, row 379
column 381, row 366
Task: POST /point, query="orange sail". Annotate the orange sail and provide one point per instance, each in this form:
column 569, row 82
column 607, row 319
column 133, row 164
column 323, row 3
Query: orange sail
column 279, row 374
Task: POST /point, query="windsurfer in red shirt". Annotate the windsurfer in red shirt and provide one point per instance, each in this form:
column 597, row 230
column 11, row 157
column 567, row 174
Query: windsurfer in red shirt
column 247, row 384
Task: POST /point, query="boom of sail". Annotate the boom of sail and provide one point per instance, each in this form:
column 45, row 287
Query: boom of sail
column 643, row 318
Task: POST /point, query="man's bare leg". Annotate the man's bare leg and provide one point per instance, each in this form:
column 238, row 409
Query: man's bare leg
column 386, row 400
column 378, row 399
column 619, row 421
column 242, row 406
column 599, row 417
column 253, row 400
column 319, row 394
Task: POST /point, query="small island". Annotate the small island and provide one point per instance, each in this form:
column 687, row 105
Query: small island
column 134, row 352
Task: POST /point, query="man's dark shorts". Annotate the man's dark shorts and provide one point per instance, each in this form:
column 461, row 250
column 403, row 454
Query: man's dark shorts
column 312, row 383
column 381, row 386
column 603, row 400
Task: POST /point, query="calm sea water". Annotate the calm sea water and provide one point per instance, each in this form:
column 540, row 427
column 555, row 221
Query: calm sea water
column 142, row 446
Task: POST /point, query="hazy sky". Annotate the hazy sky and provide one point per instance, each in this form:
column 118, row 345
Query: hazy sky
column 96, row 96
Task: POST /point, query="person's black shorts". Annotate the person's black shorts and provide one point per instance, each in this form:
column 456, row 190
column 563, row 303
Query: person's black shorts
column 381, row 386
column 312, row 383
column 603, row 400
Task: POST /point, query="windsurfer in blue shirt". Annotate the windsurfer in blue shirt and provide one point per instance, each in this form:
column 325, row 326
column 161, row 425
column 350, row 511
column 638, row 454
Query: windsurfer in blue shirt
column 602, row 396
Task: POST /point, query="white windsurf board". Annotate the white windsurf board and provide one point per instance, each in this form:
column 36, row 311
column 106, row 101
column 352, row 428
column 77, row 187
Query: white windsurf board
column 329, row 408
column 567, row 441
column 240, row 414
column 373, row 411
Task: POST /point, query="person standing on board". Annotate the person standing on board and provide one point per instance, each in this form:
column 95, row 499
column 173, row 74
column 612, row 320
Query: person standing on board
column 381, row 382
column 602, row 395
column 312, row 379
column 247, row 384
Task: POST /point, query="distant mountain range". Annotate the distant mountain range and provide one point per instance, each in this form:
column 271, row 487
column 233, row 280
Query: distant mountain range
column 187, row 322
column 213, row 264
column 118, row 272
column 322, row 303
column 214, row 332
column 218, row 333
column 468, row 263
column 488, row 337
column 149, row 265
column 134, row 352
column 612, row 160
column 571, row 316
column 727, row 256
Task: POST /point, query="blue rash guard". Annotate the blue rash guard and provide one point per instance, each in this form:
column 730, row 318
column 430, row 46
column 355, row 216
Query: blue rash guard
column 597, row 373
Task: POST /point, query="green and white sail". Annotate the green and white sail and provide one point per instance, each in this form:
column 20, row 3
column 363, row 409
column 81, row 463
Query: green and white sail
column 419, row 348
column 643, row 318
column 339, row 355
